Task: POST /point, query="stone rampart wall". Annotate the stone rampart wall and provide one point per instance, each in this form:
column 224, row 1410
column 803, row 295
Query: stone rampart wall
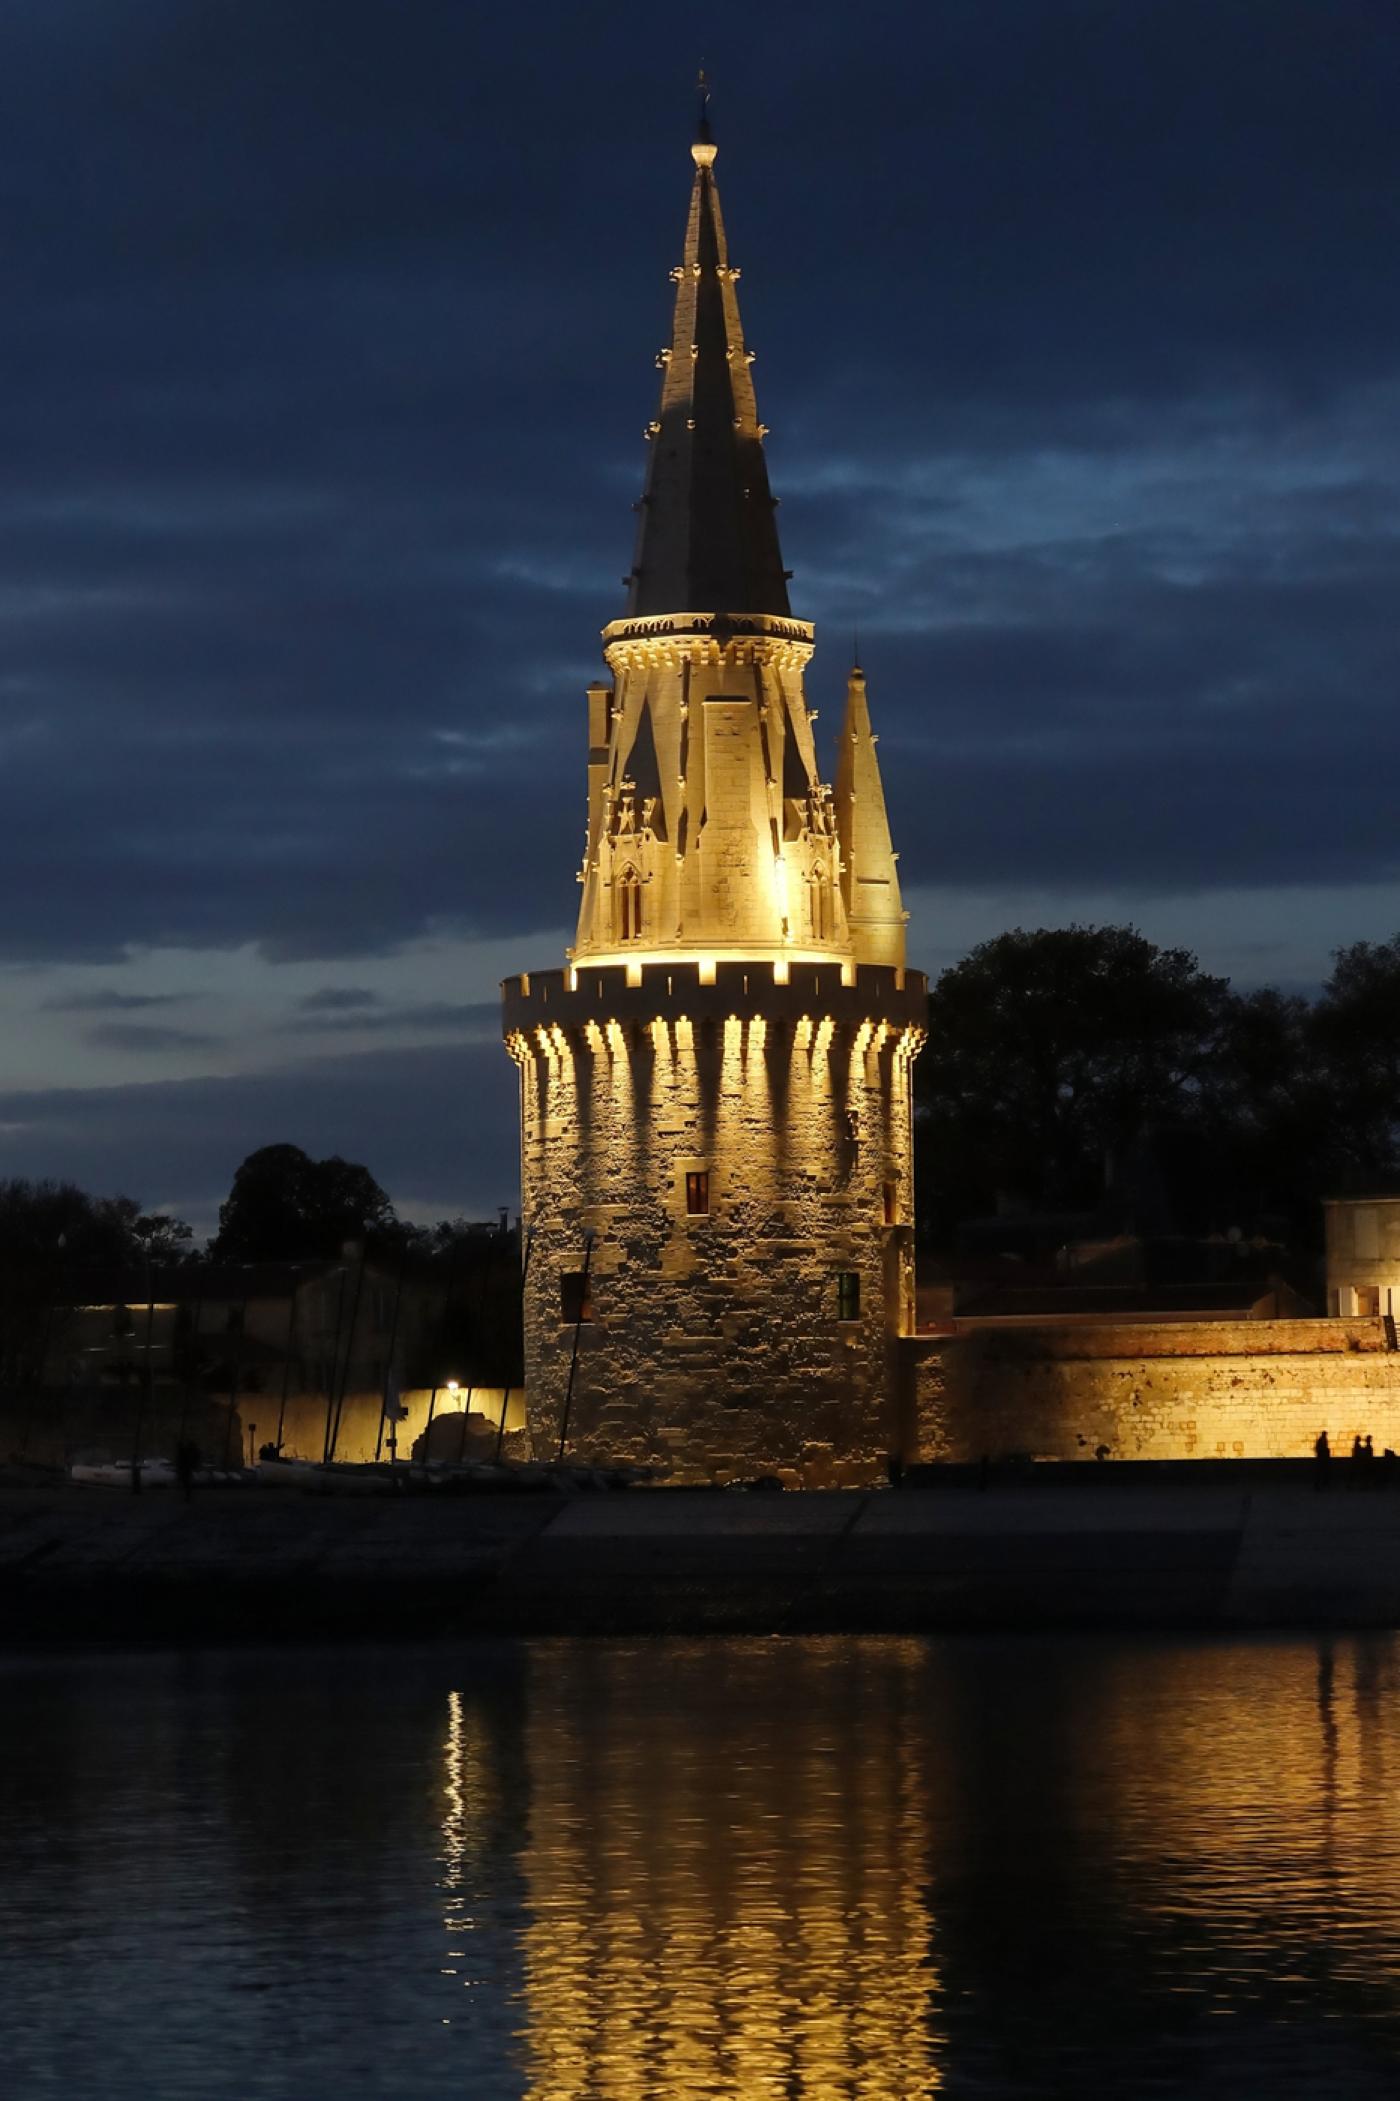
column 1174, row 1390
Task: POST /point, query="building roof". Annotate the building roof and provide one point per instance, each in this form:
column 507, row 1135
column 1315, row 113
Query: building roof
column 708, row 539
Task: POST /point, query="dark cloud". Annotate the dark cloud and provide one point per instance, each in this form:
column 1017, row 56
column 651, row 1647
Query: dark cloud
column 110, row 1001
column 338, row 999
column 147, row 1036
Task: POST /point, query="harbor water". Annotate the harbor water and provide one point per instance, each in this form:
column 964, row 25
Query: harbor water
column 781, row 1867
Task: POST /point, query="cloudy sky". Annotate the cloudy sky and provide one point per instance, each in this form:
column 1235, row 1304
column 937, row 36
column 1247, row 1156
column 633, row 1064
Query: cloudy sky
column 329, row 330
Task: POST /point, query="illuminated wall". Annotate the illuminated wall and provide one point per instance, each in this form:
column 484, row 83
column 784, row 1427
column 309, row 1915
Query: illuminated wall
column 720, row 1344
column 1254, row 1389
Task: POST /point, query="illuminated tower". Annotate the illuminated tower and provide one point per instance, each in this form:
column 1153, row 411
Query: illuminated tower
column 715, row 1095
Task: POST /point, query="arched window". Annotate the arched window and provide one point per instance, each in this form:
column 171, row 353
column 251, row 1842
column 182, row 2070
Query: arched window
column 629, row 906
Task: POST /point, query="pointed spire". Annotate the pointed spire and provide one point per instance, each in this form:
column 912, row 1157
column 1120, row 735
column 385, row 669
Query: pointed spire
column 708, row 540
column 870, row 866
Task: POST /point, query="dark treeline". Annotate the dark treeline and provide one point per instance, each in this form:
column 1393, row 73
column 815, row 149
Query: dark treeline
column 61, row 1246
column 1081, row 1067
column 283, row 1207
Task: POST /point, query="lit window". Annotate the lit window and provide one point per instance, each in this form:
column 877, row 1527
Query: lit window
column 891, row 1203
column 697, row 1193
column 575, row 1300
column 847, row 1295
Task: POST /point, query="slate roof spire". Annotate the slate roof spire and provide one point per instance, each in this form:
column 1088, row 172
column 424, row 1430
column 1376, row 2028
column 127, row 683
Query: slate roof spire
column 708, row 540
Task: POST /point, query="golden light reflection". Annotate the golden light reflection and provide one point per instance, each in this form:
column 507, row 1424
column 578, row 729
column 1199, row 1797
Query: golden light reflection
column 747, row 1922
column 471, row 1810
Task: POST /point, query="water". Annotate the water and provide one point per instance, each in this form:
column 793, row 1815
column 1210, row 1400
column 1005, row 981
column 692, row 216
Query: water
column 786, row 1868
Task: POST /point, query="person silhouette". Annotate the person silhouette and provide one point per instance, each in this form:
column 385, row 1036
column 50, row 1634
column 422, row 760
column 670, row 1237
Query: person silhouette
column 1322, row 1456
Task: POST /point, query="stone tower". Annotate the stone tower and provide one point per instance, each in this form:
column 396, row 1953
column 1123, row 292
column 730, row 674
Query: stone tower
column 715, row 1094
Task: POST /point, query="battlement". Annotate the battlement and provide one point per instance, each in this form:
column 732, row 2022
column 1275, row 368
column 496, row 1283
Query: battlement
column 778, row 991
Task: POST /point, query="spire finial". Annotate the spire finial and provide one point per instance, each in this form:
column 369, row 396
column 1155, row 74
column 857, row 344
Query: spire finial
column 704, row 149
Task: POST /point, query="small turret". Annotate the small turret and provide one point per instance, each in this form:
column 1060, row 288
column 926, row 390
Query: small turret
column 869, row 864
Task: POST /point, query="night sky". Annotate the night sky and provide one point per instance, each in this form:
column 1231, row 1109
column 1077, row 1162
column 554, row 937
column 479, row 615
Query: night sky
column 329, row 330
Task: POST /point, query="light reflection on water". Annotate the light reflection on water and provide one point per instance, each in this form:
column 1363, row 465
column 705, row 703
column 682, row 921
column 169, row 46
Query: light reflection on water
column 836, row 1868
column 727, row 1879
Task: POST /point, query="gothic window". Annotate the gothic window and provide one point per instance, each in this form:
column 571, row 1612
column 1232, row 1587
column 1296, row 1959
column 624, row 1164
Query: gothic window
column 629, row 906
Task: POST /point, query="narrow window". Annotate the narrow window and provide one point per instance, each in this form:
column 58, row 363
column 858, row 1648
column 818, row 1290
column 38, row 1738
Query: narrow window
column 891, row 1203
column 575, row 1298
column 818, row 904
column 697, row 1193
column 847, row 1295
column 629, row 906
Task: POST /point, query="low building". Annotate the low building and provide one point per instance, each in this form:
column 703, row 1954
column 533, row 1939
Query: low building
column 1363, row 1256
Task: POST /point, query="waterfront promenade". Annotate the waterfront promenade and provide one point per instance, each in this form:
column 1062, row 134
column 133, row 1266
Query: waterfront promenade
column 1086, row 1552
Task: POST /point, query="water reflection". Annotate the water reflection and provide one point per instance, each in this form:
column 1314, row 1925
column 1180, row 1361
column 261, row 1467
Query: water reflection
column 729, row 1894
column 818, row 1868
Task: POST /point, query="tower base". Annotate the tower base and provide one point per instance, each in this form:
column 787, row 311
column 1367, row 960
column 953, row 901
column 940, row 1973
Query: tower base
column 717, row 1172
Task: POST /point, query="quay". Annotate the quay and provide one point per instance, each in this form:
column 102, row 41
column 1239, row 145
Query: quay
column 1109, row 1547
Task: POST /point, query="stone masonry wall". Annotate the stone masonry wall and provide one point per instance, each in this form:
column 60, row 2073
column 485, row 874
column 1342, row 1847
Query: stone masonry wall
column 1174, row 1390
column 715, row 1350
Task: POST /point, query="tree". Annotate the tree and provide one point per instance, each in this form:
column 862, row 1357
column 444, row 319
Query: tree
column 1355, row 1035
column 286, row 1207
column 44, row 1224
column 1056, row 1057
column 52, row 1235
column 1256, row 1153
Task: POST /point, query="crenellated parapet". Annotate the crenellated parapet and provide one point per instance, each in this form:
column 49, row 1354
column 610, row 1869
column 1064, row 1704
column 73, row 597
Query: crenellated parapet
column 889, row 1002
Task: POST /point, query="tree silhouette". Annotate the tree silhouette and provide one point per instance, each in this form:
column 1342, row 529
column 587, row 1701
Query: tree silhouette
column 286, row 1207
